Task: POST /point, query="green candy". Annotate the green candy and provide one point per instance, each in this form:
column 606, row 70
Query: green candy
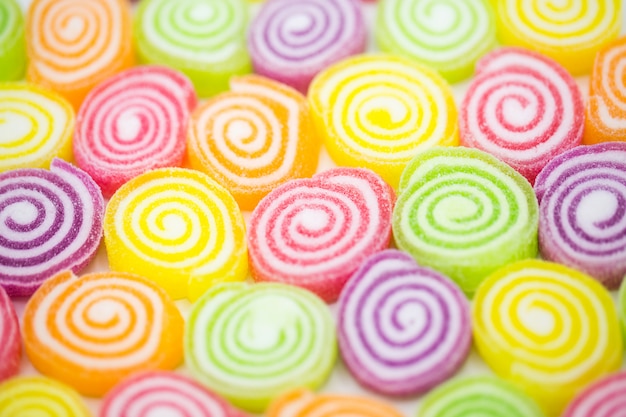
column 478, row 396
column 621, row 306
column 447, row 35
column 465, row 213
column 251, row 343
column 205, row 39
column 12, row 41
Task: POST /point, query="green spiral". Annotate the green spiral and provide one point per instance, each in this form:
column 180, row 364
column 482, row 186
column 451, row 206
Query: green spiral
column 12, row 41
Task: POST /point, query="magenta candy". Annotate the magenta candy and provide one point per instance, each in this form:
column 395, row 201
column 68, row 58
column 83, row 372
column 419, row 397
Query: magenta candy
column 604, row 398
column 10, row 344
column 49, row 221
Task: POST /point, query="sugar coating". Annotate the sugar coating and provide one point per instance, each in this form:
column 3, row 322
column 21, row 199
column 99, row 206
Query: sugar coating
column 603, row 398
column 12, row 42
column 11, row 347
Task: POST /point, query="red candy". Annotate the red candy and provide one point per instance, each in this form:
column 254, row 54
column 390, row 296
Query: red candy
column 10, row 345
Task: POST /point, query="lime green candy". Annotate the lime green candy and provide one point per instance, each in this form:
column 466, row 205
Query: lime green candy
column 622, row 306
column 12, row 41
column 205, row 39
column 465, row 213
column 250, row 343
column 478, row 396
column 447, row 35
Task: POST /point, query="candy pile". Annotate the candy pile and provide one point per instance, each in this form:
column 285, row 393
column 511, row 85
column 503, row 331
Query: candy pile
column 262, row 199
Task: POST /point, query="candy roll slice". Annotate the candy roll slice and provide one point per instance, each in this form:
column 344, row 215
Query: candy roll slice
column 253, row 138
column 464, row 213
column 74, row 45
column 604, row 398
column 314, row 233
column 523, row 108
column 549, row 329
column 93, row 331
column 51, row 221
column 133, row 122
column 12, row 41
column 204, row 39
column 39, row 396
column 402, row 329
column 571, row 33
column 377, row 111
column 448, row 36
column 621, row 307
column 251, row 343
column 11, row 346
column 292, row 41
column 582, row 211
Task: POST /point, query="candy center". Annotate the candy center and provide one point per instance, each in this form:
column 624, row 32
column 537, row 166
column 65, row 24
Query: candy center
column 267, row 322
column 239, row 131
column 597, row 207
column 518, row 113
column 313, row 220
column 457, row 208
column 23, row 213
column 102, row 311
column 202, row 13
column 385, row 111
column 441, row 19
column 174, row 226
column 72, row 29
column 164, row 411
column 538, row 320
column 13, row 127
column 299, row 23
column 128, row 126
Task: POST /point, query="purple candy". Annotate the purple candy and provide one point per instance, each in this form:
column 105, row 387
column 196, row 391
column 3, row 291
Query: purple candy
column 582, row 211
column 292, row 40
column 403, row 329
column 49, row 221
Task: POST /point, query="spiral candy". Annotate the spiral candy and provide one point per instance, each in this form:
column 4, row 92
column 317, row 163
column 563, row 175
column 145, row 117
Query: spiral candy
column 179, row 228
column 376, row 111
column 523, row 108
column 51, row 221
column 314, row 233
column 569, row 32
column 291, row 41
column 448, row 36
column 133, row 122
column 73, row 45
column 11, row 346
column 251, row 343
column 550, row 329
column 402, row 328
column 603, row 398
column 253, row 138
column 204, row 39
column 93, row 331
column 12, row 41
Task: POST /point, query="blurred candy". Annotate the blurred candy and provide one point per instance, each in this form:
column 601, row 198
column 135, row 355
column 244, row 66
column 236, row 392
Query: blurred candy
column 11, row 346
column 12, row 41
column 604, row 398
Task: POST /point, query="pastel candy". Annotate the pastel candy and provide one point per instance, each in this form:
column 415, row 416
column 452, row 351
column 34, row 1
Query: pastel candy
column 571, row 33
column 465, row 213
column 314, row 233
column 448, row 36
column 548, row 328
column 204, row 39
column 480, row 396
column 73, row 45
column 402, row 329
column 377, row 111
column 178, row 228
column 91, row 332
column 12, row 41
column 41, row 397
column 11, row 346
column 523, row 108
column 603, row 398
column 621, row 307
column 36, row 125
column 160, row 393
column 582, row 211
column 292, row 41
column 250, row 343
column 253, row 138
column 51, row 221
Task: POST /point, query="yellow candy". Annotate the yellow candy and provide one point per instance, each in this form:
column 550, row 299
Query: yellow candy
column 36, row 125
column 569, row 32
column 376, row 111
column 179, row 228
column 548, row 328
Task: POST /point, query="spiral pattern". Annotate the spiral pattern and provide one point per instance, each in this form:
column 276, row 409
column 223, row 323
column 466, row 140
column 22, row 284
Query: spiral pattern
column 91, row 332
column 523, row 108
column 254, row 138
column 603, row 398
column 39, row 396
column 376, row 111
column 550, row 329
column 314, row 233
column 402, row 329
column 11, row 346
column 36, row 126
column 479, row 396
column 448, row 36
column 133, row 122
column 252, row 343
column 569, row 32
column 304, row 403
column 49, row 221
column 179, row 228
column 582, row 211
column 464, row 213
column 12, row 41
column 73, row 45
column 292, row 41
column 205, row 39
